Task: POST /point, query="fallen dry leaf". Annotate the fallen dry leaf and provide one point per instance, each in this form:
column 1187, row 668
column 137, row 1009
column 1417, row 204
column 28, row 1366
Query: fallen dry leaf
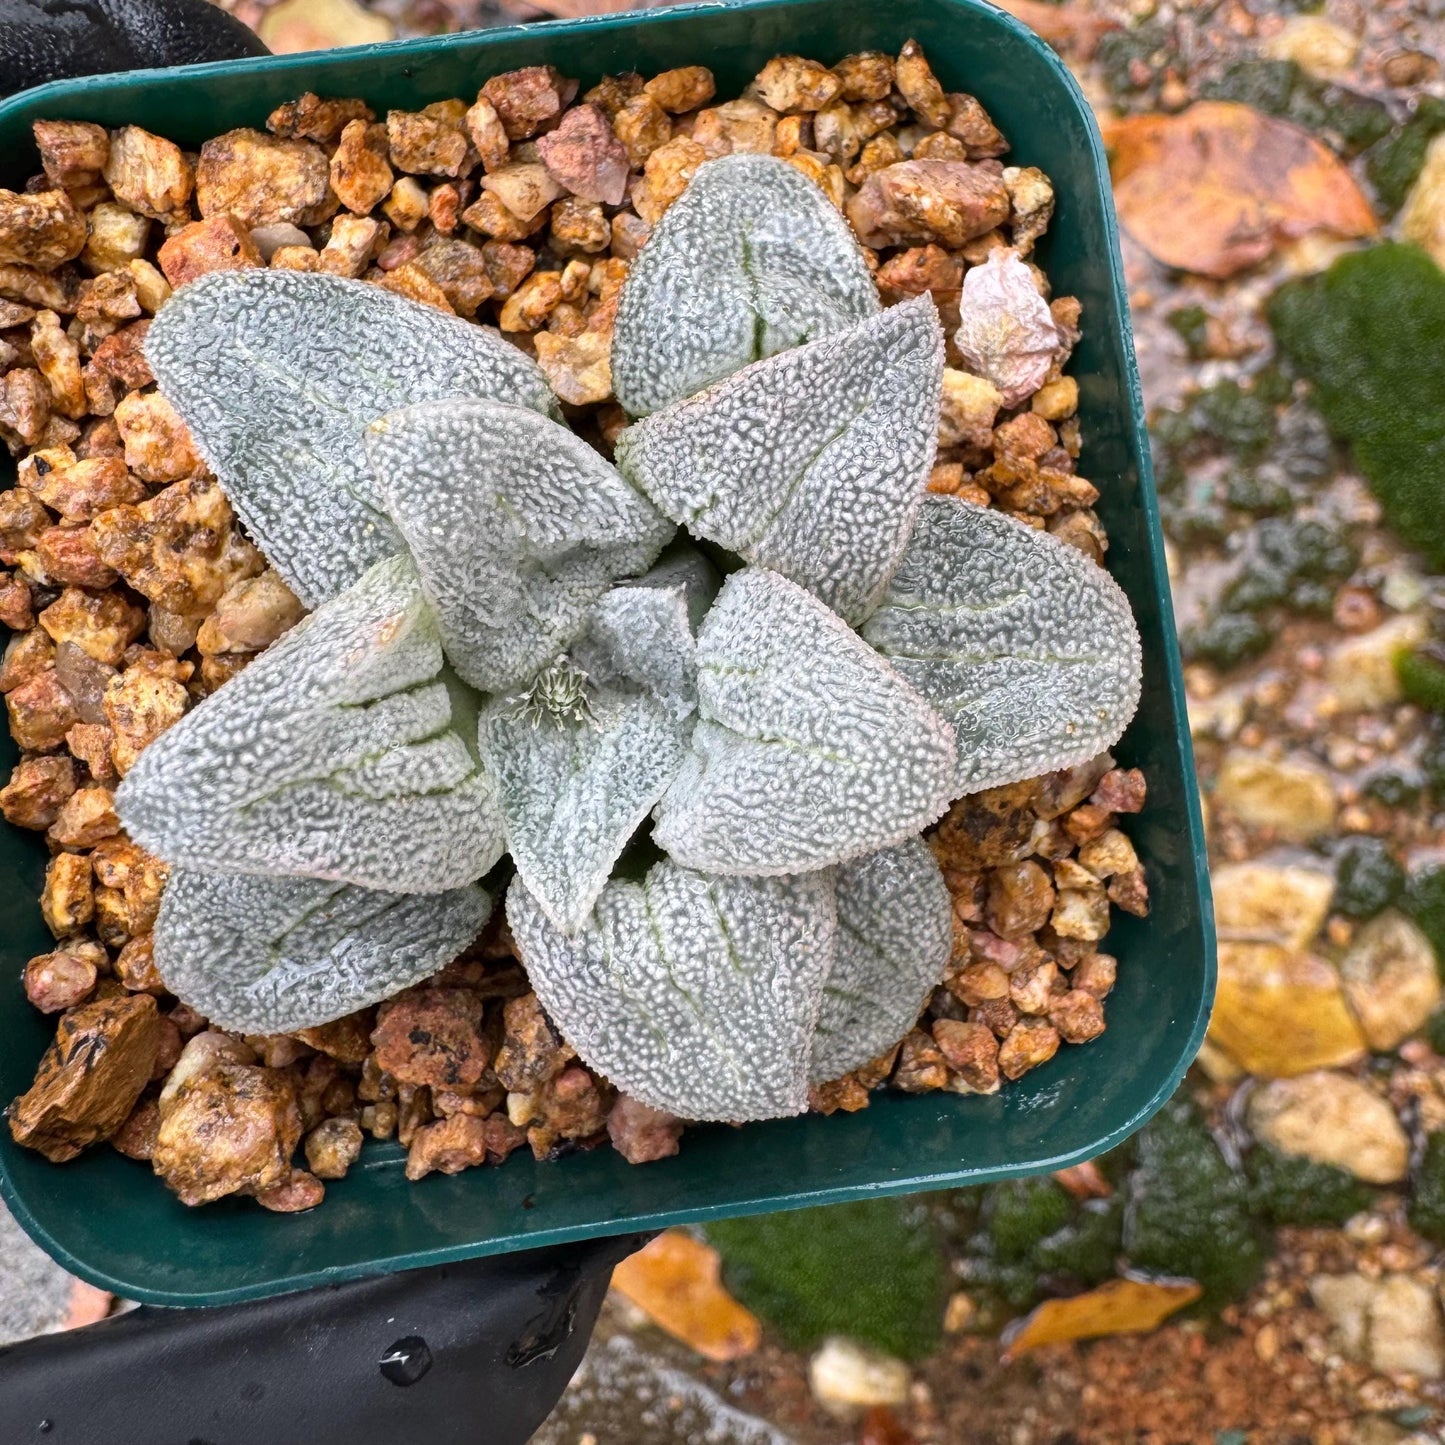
column 88, row 1305
column 1118, row 1307
column 1084, row 1181
column 1217, row 187
column 676, row 1282
column 297, row 25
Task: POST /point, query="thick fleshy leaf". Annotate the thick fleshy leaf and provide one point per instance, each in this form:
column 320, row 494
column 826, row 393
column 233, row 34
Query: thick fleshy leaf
column 643, row 633
column 809, row 748
column 1026, row 646
column 278, row 373
column 271, row 955
column 813, row 463
column 895, row 934
column 751, row 259
column 695, row 994
column 574, row 792
column 517, row 527
column 341, row 752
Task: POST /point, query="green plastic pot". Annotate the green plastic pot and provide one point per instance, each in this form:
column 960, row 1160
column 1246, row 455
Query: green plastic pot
column 109, row 1220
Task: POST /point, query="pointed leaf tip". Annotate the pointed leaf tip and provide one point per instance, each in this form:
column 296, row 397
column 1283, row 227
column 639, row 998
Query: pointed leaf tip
column 272, row 955
column 517, row 526
column 813, row 463
column 895, row 935
column 809, row 748
column 277, row 374
column 1025, row 645
column 694, row 994
column 751, row 259
column 334, row 755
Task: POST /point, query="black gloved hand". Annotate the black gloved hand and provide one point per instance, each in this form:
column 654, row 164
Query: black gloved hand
column 44, row 40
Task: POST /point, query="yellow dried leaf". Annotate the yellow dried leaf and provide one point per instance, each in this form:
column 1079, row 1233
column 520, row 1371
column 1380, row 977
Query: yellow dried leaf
column 297, row 25
column 676, row 1282
column 1118, row 1307
column 1218, row 187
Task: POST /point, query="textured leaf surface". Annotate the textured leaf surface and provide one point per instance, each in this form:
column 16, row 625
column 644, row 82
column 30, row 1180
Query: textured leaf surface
column 813, row 463
column 1026, row 646
column 809, row 749
column 573, row 793
column 695, row 994
column 339, row 753
column 270, row 955
column 517, row 527
column 751, row 259
column 278, row 373
column 644, row 633
column 895, row 934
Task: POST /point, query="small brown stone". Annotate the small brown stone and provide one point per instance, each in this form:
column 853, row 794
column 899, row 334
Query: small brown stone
column 65, row 978
column 262, row 179
column 90, row 1078
column 921, row 1066
column 971, row 1052
column 585, row 155
column 310, row 117
column 432, row 1036
column 738, row 126
column 220, row 243
column 528, row 100
column 641, row 1133
column 432, row 141
column 532, row 1051
column 333, row 1147
column 1020, row 898
column 866, row 75
column 790, row 82
column 37, row 790
column 43, row 229
column 1030, row 1042
column 683, row 89
column 1077, row 1015
column 916, row 202
column 140, row 704
column 73, row 153
column 642, row 126
column 359, row 171
column 987, row 829
column 135, row 966
column 919, row 86
column 136, row 1138
column 86, row 816
column 300, row 1192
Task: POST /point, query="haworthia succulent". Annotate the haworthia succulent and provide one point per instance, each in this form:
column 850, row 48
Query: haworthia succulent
column 277, row 374
column 517, row 527
column 751, row 259
column 809, row 748
column 1025, row 645
column 574, row 792
column 643, row 633
column 272, row 955
column 694, row 994
column 895, row 934
column 813, row 463
column 334, row 755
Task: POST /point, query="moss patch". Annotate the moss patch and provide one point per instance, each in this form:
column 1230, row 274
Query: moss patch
column 1424, row 901
column 1367, row 878
column 1285, row 1190
column 1188, row 1211
column 1427, row 1199
column 1393, row 164
column 873, row 1270
column 1370, row 335
column 1422, row 676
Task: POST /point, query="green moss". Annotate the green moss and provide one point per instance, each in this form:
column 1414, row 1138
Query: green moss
column 1191, row 323
column 1258, row 493
column 1432, row 756
column 1285, row 1190
column 1370, row 335
column 1020, row 1213
column 1422, row 675
column 873, row 1270
column 1367, row 878
column 1084, row 1251
column 1226, row 639
column 1119, row 49
column 1393, row 788
column 1393, row 164
column 1435, row 1030
column 1265, row 85
column 1291, row 562
column 1188, row 1211
column 1427, row 1192
column 1424, row 901
column 1239, row 420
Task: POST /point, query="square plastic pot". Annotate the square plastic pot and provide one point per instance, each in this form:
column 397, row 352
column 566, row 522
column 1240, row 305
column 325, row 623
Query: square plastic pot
column 109, row 1220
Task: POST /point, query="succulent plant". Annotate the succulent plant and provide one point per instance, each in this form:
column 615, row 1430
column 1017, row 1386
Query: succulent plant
column 514, row 649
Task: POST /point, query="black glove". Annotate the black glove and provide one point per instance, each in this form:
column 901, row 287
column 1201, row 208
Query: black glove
column 44, row 40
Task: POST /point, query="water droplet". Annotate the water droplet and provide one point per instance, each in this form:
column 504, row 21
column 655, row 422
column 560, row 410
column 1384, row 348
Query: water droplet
column 45, row 1427
column 406, row 1361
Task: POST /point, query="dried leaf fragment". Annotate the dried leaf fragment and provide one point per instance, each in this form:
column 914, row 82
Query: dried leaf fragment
column 1117, row 1307
column 1216, row 188
column 676, row 1281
